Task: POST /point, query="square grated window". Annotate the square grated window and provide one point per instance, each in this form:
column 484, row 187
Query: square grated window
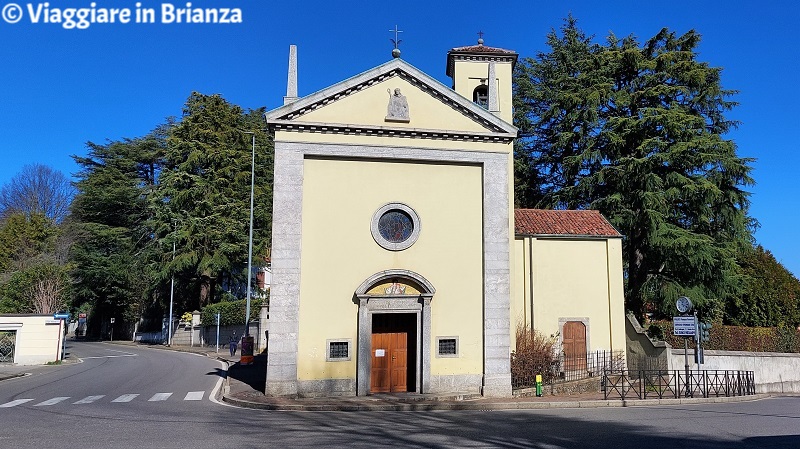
column 448, row 346
column 338, row 350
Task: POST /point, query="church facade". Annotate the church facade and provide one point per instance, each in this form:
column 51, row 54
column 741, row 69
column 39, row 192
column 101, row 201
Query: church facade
column 396, row 263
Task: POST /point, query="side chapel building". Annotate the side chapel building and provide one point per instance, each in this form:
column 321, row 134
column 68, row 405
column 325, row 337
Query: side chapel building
column 399, row 263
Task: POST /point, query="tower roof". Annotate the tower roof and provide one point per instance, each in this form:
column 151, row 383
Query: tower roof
column 479, row 52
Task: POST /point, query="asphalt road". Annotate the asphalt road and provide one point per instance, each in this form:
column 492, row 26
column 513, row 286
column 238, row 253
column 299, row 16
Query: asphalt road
column 149, row 420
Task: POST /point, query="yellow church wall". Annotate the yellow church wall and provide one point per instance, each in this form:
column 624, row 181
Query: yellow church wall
column 520, row 287
column 393, row 141
column 616, row 294
column 340, row 198
column 468, row 75
column 369, row 107
column 571, row 280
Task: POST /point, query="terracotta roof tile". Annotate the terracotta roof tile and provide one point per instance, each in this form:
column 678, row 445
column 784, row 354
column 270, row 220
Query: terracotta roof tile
column 562, row 222
column 482, row 49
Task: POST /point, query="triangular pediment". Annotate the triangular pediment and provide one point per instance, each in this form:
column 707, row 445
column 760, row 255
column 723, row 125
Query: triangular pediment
column 363, row 105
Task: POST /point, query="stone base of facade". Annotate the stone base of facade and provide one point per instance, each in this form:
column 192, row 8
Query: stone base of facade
column 456, row 383
column 498, row 386
column 326, row 388
column 281, row 388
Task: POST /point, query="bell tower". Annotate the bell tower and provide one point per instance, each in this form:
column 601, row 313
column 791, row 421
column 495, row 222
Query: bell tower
column 483, row 74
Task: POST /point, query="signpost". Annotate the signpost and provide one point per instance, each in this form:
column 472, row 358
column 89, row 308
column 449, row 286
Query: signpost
column 81, row 330
column 684, row 326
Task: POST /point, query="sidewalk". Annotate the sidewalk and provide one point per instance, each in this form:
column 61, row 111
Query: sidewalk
column 244, row 387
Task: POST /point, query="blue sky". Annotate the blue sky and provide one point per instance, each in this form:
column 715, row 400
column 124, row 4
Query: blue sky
column 60, row 88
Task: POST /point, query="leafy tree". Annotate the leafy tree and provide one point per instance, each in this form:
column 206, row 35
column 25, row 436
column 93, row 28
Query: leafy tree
column 636, row 131
column 23, row 238
column 203, row 199
column 37, row 189
column 42, row 288
column 33, row 264
column 770, row 295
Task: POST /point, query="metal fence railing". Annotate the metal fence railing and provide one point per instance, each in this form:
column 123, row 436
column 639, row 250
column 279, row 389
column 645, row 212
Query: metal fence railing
column 650, row 384
column 561, row 368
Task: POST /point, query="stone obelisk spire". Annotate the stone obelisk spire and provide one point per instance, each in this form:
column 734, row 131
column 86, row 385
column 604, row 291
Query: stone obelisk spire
column 291, row 84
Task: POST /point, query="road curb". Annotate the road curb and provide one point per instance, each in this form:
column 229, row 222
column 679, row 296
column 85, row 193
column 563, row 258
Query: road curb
column 481, row 406
column 226, row 382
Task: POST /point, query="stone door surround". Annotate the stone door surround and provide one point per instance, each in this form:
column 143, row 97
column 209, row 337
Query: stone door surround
column 420, row 305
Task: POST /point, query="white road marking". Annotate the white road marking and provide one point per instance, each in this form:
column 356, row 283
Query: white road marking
column 125, row 398
column 89, row 399
column 117, row 350
column 194, row 396
column 15, row 403
column 108, row 356
column 52, row 401
column 160, row 397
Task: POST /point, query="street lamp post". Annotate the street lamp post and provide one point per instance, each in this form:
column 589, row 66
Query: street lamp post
column 171, row 297
column 247, row 340
column 250, row 240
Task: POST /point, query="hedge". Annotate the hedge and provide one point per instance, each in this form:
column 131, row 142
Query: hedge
column 231, row 312
column 735, row 338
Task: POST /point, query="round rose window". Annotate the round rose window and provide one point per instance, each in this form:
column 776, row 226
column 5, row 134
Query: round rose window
column 395, row 226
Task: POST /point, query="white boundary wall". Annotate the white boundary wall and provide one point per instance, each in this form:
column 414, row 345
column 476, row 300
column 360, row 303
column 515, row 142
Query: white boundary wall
column 37, row 338
column 774, row 372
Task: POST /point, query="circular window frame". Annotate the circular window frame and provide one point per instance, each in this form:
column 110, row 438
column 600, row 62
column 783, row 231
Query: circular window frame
column 392, row 246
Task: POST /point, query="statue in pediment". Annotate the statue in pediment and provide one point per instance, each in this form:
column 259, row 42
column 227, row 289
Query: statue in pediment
column 398, row 106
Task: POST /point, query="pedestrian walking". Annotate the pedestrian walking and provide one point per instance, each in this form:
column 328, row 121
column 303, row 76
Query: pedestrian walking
column 233, row 341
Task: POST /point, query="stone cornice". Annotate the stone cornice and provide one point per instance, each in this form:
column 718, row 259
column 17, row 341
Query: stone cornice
column 386, row 131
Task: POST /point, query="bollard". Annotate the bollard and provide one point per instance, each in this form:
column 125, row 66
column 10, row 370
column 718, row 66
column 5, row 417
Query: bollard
column 538, row 385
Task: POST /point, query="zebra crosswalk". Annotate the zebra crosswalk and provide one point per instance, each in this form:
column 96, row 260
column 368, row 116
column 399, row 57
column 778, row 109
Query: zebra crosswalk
column 125, row 398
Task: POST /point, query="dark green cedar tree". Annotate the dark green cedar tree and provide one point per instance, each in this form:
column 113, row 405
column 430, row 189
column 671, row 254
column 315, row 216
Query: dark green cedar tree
column 203, row 196
column 636, row 131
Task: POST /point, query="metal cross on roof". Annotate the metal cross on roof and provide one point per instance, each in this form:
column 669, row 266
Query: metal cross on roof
column 395, row 41
column 480, row 34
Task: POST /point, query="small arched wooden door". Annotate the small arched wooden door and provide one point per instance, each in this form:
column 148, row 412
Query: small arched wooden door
column 574, row 346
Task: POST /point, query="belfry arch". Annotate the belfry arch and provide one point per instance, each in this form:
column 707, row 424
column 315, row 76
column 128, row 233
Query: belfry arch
column 389, row 292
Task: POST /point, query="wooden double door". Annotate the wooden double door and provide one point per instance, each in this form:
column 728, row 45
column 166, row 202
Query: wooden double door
column 393, row 353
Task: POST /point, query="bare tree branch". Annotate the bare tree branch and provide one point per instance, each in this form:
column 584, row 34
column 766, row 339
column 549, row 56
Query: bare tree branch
column 37, row 189
column 46, row 295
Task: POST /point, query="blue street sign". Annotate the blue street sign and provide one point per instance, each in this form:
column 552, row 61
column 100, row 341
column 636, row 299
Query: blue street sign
column 60, row 316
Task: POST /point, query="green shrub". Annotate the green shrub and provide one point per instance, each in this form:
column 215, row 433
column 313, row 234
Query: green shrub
column 655, row 331
column 231, row 312
column 738, row 338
